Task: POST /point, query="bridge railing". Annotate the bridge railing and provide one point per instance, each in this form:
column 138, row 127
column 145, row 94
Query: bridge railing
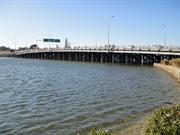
column 95, row 49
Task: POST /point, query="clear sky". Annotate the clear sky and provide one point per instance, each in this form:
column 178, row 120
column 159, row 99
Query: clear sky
column 84, row 22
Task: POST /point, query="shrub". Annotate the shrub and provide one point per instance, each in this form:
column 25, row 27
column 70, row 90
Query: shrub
column 176, row 62
column 165, row 121
column 99, row 132
column 166, row 62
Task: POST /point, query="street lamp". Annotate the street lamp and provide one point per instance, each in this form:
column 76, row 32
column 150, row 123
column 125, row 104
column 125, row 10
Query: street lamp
column 164, row 26
column 109, row 19
column 50, row 37
column 15, row 43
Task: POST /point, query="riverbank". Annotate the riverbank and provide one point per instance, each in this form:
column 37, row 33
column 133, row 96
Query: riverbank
column 164, row 120
column 172, row 70
column 6, row 54
column 137, row 128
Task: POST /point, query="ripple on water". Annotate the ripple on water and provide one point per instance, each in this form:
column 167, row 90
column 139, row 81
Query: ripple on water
column 53, row 97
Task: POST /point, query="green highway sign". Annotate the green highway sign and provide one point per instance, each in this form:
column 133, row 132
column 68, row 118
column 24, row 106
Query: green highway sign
column 45, row 40
column 51, row 40
column 56, row 40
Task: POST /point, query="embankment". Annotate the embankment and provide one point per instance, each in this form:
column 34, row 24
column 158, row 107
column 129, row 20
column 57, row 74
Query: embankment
column 137, row 128
column 6, row 54
column 172, row 70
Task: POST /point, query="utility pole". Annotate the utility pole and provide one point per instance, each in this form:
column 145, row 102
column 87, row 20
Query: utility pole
column 164, row 26
column 109, row 19
column 15, row 43
column 49, row 41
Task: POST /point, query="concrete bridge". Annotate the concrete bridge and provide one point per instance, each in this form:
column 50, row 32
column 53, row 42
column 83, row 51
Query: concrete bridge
column 138, row 56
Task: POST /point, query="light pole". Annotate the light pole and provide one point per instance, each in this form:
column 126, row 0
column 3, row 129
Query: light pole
column 15, row 42
column 49, row 41
column 109, row 27
column 164, row 26
column 49, row 37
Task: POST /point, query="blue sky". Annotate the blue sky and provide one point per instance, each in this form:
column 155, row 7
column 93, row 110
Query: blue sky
column 84, row 22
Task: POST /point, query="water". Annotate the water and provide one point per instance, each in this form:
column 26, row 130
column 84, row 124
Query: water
column 56, row 97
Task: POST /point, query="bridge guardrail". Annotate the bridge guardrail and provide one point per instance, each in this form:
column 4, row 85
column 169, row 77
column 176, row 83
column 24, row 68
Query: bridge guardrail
column 150, row 51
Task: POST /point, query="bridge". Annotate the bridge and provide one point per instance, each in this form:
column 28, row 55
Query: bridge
column 128, row 56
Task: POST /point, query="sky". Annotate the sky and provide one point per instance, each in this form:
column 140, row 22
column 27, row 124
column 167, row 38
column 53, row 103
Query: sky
column 85, row 22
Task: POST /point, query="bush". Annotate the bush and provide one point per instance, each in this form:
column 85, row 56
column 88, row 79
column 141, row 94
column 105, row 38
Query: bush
column 99, row 132
column 166, row 62
column 176, row 62
column 165, row 121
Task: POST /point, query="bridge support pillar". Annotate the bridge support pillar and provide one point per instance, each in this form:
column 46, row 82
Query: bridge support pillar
column 101, row 58
column 83, row 57
column 69, row 56
column 92, row 57
column 112, row 58
column 161, row 58
column 62, row 56
column 106, row 57
column 59, row 58
column 41, row 55
column 142, row 59
column 96, row 57
column 126, row 59
column 76, row 57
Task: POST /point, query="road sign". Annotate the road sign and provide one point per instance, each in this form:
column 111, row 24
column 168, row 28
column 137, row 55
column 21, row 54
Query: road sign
column 57, row 40
column 45, row 40
column 51, row 40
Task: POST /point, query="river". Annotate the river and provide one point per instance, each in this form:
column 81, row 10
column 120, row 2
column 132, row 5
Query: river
column 60, row 97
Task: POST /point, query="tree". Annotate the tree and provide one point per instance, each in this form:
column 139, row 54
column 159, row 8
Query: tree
column 34, row 46
column 3, row 48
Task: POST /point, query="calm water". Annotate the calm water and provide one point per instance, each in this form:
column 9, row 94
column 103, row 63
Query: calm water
column 55, row 97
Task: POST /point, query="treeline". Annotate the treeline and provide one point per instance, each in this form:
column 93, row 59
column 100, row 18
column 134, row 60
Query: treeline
column 3, row 48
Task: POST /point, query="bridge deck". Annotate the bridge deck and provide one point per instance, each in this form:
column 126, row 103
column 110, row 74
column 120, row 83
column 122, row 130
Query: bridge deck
column 155, row 52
